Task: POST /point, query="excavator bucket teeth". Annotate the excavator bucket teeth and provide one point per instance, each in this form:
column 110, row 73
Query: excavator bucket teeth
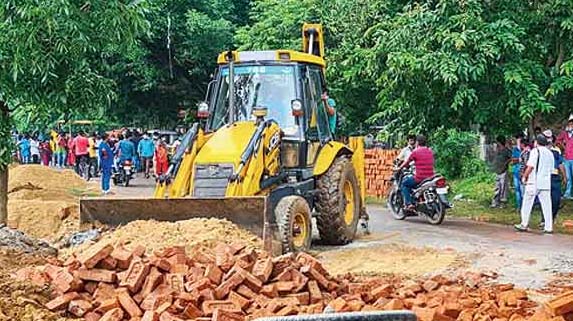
column 250, row 213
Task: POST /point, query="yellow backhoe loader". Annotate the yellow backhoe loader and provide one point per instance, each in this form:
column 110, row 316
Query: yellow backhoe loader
column 262, row 156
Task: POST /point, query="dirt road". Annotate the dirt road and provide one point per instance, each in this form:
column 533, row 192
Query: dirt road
column 527, row 259
column 413, row 246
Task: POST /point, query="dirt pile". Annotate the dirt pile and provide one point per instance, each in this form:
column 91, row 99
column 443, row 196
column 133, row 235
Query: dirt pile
column 43, row 202
column 234, row 282
column 23, row 300
column 388, row 259
column 156, row 235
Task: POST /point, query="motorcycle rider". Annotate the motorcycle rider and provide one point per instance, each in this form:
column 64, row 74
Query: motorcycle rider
column 423, row 158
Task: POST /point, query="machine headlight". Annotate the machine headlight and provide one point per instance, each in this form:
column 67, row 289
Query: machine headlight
column 296, row 106
column 289, row 154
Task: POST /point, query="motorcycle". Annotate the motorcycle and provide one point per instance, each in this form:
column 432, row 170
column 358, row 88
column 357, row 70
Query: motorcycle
column 123, row 174
column 430, row 197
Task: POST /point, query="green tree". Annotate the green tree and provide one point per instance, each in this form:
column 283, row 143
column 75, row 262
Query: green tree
column 53, row 55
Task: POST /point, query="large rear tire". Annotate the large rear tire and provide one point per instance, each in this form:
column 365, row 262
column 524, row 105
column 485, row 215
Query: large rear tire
column 293, row 219
column 439, row 213
column 338, row 203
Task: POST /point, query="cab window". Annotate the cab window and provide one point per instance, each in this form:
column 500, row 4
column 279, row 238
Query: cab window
column 317, row 117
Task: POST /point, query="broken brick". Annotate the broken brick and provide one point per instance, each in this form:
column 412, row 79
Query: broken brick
column 239, row 300
column 303, row 297
column 98, row 275
column 263, row 269
column 314, row 290
column 61, row 301
column 214, row 273
column 394, row 304
column 65, row 282
column 192, row 312
column 150, row 316
column 79, row 307
column 108, row 305
column 561, row 304
column 153, row 279
column 270, row 290
column 339, row 305
column 92, row 316
column 246, row 292
column 225, row 315
column 430, row 285
column 95, row 253
column 122, row 256
column 288, row 310
column 127, row 303
column 382, row 291
column 227, row 286
column 107, row 263
column 112, row 315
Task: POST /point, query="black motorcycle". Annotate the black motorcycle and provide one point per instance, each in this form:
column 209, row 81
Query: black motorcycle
column 430, row 197
column 123, row 174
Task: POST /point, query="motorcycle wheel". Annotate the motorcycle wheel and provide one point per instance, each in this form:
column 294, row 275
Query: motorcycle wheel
column 439, row 213
column 395, row 203
column 115, row 181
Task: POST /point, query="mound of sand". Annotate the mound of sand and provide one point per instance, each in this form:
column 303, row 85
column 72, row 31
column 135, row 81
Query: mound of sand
column 41, row 200
column 388, row 259
column 156, row 235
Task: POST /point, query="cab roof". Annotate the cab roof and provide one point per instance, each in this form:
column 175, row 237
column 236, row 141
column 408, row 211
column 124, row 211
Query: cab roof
column 272, row 55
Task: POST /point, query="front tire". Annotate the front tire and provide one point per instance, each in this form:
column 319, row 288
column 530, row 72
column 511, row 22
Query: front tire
column 338, row 203
column 396, row 204
column 293, row 219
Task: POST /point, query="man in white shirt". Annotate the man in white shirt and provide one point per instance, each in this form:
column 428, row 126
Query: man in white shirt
column 537, row 182
column 406, row 151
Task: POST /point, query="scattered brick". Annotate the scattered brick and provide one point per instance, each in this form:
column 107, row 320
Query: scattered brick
column 150, row 316
column 61, row 301
column 95, row 253
column 136, row 275
column 561, row 304
column 225, row 315
column 123, row 257
column 263, row 269
column 127, row 303
column 214, row 273
column 209, row 306
column 92, row 316
column 98, row 275
column 112, row 315
column 108, row 305
column 192, row 312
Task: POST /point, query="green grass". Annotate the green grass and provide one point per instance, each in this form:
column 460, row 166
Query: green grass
column 79, row 192
column 477, row 193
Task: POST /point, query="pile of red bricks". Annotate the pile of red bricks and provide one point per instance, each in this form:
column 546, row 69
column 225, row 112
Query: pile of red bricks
column 378, row 167
column 234, row 283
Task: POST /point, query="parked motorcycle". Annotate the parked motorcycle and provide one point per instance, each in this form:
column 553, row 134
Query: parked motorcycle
column 430, row 197
column 123, row 174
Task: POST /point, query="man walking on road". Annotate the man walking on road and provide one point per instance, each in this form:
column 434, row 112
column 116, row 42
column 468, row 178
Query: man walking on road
column 565, row 139
column 500, row 164
column 106, row 156
column 537, row 181
column 145, row 150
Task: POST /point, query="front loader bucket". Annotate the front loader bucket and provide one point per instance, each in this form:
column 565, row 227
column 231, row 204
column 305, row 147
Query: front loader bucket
column 250, row 213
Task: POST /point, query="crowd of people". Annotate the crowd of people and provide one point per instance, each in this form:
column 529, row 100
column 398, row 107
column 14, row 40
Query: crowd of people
column 541, row 173
column 101, row 152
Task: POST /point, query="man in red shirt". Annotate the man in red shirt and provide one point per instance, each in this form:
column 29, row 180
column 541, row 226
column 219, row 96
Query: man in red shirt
column 423, row 158
column 80, row 146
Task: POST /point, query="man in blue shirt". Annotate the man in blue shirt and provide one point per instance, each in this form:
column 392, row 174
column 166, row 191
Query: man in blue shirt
column 126, row 149
column 145, row 149
column 106, row 157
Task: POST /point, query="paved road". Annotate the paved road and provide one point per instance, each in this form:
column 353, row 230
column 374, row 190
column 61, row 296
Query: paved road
column 526, row 259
